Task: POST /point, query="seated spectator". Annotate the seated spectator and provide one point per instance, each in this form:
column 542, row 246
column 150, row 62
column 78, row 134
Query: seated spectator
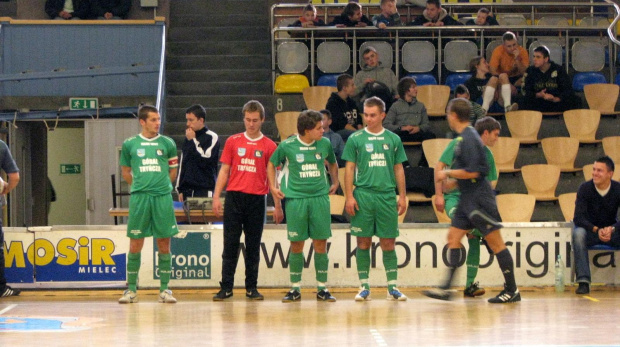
column 346, row 117
column 110, row 9
column 308, row 18
column 546, row 85
column 375, row 79
column 388, row 17
column 482, row 86
column 67, row 9
column 510, row 61
column 434, row 16
column 475, row 111
column 351, row 17
column 335, row 139
column 596, row 209
column 483, row 17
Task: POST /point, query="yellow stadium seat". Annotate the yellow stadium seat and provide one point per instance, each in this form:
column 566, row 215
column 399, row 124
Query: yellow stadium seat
column 291, row 83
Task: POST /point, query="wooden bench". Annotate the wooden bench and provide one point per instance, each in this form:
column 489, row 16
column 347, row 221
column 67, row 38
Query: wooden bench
column 196, row 216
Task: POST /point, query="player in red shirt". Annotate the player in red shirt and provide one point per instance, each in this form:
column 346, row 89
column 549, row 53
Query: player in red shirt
column 244, row 168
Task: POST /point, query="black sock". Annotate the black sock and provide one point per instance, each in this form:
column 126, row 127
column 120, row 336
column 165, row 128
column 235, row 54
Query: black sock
column 504, row 259
column 454, row 257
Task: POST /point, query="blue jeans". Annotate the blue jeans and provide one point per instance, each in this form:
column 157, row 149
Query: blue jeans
column 583, row 239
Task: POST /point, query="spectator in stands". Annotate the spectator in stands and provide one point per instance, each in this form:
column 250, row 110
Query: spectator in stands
column 346, row 117
column 335, row 139
column 482, row 86
column 434, row 16
column 351, row 17
column 596, row 209
column 388, row 17
column 308, row 18
column 476, row 111
column 110, row 9
column 67, row 9
column 546, row 85
column 375, row 79
column 483, row 17
column 510, row 61
column 199, row 157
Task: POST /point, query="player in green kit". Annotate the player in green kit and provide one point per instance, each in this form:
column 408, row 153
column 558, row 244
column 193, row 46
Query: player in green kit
column 149, row 164
column 488, row 129
column 374, row 157
column 305, row 185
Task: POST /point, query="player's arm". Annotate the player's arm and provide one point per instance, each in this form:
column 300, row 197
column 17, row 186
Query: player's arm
column 276, row 193
column 350, row 204
column 440, row 203
column 13, row 179
column 222, row 179
column 333, row 175
column 173, row 174
column 399, row 174
column 126, row 172
column 459, row 174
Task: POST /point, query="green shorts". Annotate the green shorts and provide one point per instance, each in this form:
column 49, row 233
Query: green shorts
column 377, row 215
column 308, row 218
column 151, row 216
column 451, row 202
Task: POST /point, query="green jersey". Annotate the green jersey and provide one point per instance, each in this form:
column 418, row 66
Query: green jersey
column 447, row 157
column 303, row 172
column 374, row 156
column 150, row 161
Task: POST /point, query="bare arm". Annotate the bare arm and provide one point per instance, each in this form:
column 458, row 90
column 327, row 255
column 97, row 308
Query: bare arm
column 333, row 175
column 126, row 172
column 276, row 193
column 173, row 174
column 13, row 179
column 399, row 173
column 350, row 204
column 222, row 179
column 440, row 203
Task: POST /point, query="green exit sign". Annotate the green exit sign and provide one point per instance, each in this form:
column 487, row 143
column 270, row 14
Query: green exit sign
column 70, row 169
column 83, row 103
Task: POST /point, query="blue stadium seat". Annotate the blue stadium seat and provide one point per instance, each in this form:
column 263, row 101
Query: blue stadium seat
column 583, row 78
column 617, row 80
column 423, row 79
column 328, row 80
column 455, row 79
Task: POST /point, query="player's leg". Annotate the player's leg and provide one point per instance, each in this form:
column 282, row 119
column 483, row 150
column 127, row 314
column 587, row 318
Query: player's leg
column 363, row 228
column 506, row 264
column 472, row 263
column 233, row 227
column 297, row 230
column 164, row 226
column 138, row 227
column 455, row 254
column 253, row 218
column 165, row 270
column 387, row 231
column 4, row 289
column 320, row 232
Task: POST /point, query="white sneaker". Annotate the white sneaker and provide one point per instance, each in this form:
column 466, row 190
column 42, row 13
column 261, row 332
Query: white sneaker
column 166, row 297
column 129, row 297
column 396, row 295
column 513, row 107
column 363, row 295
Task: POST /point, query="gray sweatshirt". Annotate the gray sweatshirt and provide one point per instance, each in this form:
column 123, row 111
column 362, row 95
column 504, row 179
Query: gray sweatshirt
column 403, row 113
column 379, row 73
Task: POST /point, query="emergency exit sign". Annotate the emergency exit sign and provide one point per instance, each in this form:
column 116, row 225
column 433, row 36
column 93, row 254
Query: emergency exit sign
column 83, row 103
column 70, row 169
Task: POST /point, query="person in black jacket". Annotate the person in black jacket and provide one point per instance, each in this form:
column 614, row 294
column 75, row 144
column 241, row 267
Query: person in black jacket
column 110, row 9
column 434, row 16
column 199, row 159
column 67, row 9
column 346, row 117
column 308, row 18
column 483, row 17
column 351, row 17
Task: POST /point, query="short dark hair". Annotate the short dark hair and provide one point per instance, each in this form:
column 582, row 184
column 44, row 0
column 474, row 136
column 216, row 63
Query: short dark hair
column 198, row 111
column 144, row 110
column 309, row 7
column 437, row 3
column 375, row 101
column 487, row 123
column 404, row 84
column 461, row 89
column 308, row 120
column 508, row 36
column 473, row 64
column 385, row 1
column 542, row 50
column 254, row 106
column 350, row 9
column 342, row 81
column 461, row 108
column 607, row 161
column 327, row 113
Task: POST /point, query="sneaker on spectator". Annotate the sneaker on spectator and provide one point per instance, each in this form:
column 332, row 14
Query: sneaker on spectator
column 253, row 294
column 363, row 295
column 128, row 297
column 513, row 107
column 292, row 295
column 473, row 290
column 396, row 295
column 325, row 295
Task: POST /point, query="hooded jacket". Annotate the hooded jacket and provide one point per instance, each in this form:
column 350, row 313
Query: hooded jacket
column 379, row 73
column 443, row 17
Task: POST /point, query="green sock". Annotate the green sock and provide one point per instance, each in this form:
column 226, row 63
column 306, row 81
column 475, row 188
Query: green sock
column 391, row 268
column 165, row 269
column 321, row 262
column 296, row 265
column 363, row 266
column 133, row 267
column 473, row 260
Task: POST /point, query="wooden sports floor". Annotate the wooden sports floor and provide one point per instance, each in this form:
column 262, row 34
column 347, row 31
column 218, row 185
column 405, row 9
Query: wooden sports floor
column 94, row 318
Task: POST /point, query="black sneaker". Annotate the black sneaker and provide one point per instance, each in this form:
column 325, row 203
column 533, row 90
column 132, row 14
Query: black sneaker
column 438, row 293
column 8, row 291
column 324, row 295
column 584, row 288
column 506, row 297
column 222, row 295
column 292, row 295
column 473, row 290
column 254, row 295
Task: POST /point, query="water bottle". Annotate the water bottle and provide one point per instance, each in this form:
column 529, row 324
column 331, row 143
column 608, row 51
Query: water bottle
column 559, row 275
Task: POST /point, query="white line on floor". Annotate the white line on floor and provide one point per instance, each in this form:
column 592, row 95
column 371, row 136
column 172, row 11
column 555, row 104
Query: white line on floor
column 10, row 307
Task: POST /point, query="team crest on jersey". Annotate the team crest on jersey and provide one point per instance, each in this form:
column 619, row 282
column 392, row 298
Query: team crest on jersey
column 317, row 156
column 258, row 154
column 386, row 147
column 141, row 152
column 241, row 152
column 299, row 157
column 160, row 152
column 369, row 147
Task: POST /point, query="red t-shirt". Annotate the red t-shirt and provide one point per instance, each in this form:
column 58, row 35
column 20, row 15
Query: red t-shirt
column 248, row 163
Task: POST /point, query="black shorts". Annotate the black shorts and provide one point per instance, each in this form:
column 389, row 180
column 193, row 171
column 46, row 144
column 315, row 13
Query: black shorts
column 514, row 79
column 479, row 212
